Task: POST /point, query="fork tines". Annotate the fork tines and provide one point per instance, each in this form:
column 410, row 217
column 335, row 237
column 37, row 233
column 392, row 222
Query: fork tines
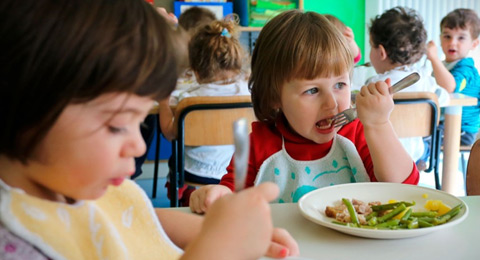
column 345, row 117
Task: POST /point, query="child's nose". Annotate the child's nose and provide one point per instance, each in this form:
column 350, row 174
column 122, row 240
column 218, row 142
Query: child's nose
column 135, row 146
column 329, row 101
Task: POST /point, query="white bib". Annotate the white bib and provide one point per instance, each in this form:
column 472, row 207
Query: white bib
column 295, row 178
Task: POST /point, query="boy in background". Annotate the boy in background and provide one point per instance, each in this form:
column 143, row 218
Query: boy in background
column 459, row 35
column 398, row 41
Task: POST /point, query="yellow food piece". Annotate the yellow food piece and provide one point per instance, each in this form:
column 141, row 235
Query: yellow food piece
column 425, row 195
column 392, row 201
column 437, row 205
column 400, row 215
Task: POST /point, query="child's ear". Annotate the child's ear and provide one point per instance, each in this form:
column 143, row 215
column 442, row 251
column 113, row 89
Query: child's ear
column 475, row 43
column 383, row 52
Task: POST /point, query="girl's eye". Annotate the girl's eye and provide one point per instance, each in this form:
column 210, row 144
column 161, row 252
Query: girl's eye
column 116, row 130
column 340, row 85
column 311, row 91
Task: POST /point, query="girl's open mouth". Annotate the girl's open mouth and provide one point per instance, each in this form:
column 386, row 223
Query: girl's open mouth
column 325, row 123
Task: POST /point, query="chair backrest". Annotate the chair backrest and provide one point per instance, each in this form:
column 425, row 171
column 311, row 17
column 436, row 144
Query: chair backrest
column 208, row 120
column 205, row 121
column 473, row 170
column 415, row 114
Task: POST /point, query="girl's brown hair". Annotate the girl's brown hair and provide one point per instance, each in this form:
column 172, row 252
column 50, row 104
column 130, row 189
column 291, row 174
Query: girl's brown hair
column 55, row 53
column 294, row 45
column 215, row 48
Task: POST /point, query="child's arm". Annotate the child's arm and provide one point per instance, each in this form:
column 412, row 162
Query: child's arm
column 374, row 105
column 348, row 33
column 166, row 118
column 443, row 77
column 231, row 218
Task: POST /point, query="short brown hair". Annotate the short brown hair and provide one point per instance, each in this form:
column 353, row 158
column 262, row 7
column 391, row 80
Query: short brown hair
column 294, row 45
column 56, row 53
column 215, row 48
column 195, row 17
column 401, row 32
column 462, row 18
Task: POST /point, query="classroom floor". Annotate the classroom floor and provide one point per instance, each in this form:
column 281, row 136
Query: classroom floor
column 161, row 201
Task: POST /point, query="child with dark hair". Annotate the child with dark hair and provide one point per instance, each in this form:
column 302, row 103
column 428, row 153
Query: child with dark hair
column 459, row 35
column 298, row 85
column 398, row 42
column 216, row 58
column 91, row 71
column 194, row 18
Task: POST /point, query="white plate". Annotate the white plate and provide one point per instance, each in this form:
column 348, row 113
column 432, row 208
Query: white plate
column 313, row 204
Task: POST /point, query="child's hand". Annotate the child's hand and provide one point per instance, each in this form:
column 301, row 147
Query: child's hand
column 239, row 226
column 201, row 199
column 348, row 33
column 374, row 103
column 432, row 53
column 170, row 17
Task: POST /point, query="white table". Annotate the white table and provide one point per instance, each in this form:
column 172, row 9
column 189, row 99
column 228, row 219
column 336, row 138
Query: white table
column 451, row 180
column 317, row 242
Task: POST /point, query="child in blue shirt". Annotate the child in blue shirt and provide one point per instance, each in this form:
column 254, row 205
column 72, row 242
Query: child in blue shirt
column 459, row 35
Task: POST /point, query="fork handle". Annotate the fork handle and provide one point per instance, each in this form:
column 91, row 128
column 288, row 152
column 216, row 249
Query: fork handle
column 405, row 82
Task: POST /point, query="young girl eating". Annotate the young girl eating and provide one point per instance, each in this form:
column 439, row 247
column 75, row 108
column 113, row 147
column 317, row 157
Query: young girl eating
column 77, row 79
column 301, row 74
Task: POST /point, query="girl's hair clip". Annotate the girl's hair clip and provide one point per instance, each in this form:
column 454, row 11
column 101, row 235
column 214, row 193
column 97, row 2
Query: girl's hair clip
column 225, row 33
column 232, row 18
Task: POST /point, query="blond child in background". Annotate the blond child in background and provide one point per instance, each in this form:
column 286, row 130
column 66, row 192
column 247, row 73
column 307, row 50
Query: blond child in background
column 298, row 85
column 64, row 188
column 190, row 20
column 459, row 35
column 349, row 36
column 216, row 58
column 398, row 41
column 195, row 17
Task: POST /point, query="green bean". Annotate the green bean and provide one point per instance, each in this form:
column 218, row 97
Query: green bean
column 392, row 205
column 371, row 215
column 372, row 221
column 412, row 223
column 351, row 211
column 406, row 215
column 389, row 224
column 392, row 213
column 422, row 224
column 427, row 219
column 447, row 216
column 430, row 214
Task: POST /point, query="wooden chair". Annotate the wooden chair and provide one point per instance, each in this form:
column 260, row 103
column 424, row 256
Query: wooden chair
column 473, row 170
column 204, row 121
column 417, row 114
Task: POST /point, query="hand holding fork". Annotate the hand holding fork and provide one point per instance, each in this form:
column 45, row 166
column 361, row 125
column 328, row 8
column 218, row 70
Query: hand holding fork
column 350, row 114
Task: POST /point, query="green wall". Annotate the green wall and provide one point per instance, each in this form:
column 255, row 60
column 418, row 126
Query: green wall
column 351, row 12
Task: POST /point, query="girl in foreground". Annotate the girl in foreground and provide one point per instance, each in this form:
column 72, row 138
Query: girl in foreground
column 298, row 84
column 77, row 79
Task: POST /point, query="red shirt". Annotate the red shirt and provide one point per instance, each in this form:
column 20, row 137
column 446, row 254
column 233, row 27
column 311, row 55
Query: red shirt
column 266, row 140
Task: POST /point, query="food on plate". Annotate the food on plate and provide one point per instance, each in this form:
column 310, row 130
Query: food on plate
column 393, row 215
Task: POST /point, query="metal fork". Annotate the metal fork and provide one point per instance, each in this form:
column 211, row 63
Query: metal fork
column 350, row 114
